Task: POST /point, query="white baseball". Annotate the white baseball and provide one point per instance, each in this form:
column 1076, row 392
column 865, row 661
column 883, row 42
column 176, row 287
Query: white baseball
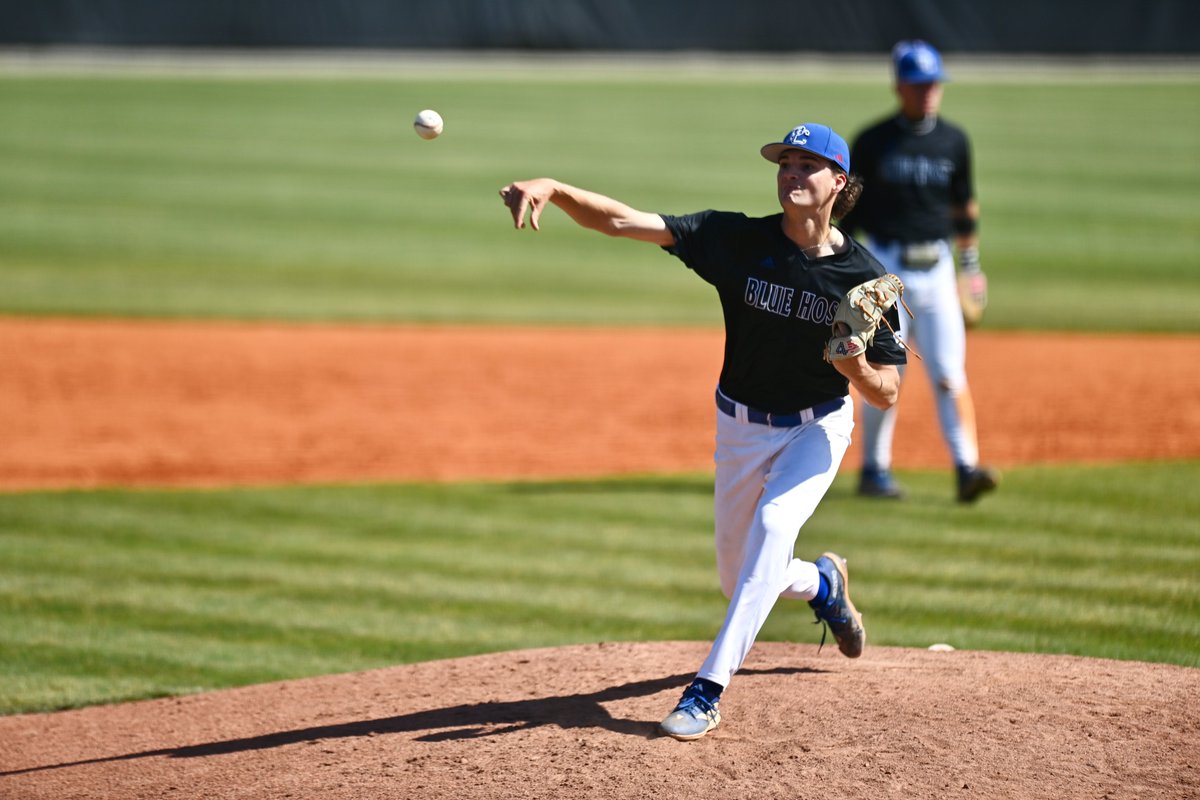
column 428, row 124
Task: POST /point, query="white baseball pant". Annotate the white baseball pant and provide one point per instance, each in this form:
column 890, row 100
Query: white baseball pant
column 938, row 333
column 768, row 482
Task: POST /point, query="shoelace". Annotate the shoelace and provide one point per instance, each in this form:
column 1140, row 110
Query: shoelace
column 824, row 630
column 691, row 698
column 825, row 620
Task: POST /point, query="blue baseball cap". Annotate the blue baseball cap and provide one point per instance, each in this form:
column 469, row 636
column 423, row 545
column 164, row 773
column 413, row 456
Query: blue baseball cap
column 917, row 62
column 817, row 139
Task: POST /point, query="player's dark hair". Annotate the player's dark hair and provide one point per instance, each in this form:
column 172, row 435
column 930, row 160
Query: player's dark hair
column 848, row 196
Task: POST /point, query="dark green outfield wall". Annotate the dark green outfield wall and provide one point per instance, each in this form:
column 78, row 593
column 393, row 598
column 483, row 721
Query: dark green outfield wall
column 1077, row 27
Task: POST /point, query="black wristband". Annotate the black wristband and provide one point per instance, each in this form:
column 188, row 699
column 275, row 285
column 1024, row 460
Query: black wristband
column 965, row 226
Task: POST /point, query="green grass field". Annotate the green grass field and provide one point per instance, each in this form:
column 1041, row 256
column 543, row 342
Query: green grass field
column 308, row 197
column 208, row 195
column 108, row 596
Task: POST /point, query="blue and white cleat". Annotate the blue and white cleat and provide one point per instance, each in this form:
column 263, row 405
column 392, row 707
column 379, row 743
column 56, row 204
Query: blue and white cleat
column 693, row 717
column 838, row 612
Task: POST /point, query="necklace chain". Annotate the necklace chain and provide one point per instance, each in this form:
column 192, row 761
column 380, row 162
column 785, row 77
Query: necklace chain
column 819, row 244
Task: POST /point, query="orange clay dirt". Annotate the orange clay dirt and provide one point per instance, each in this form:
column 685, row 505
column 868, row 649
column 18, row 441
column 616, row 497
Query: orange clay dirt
column 100, row 403
column 103, row 403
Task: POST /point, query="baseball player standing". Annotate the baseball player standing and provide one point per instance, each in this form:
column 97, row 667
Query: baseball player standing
column 783, row 411
column 918, row 196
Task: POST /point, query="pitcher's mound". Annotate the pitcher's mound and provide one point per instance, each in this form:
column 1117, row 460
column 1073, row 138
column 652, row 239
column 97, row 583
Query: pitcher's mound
column 581, row 722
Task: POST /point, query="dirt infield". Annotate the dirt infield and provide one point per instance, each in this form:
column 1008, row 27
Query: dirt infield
column 100, row 403
column 95, row 403
column 579, row 722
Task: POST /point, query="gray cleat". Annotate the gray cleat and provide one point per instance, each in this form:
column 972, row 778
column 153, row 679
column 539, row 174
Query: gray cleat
column 692, row 718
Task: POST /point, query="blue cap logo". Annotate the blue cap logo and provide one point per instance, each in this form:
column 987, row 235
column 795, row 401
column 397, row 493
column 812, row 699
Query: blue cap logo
column 917, row 62
column 798, row 136
column 817, row 139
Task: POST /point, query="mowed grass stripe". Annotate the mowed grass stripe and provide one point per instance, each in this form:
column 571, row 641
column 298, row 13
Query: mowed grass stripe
column 305, row 198
column 282, row 607
column 113, row 595
column 1095, row 562
column 177, row 574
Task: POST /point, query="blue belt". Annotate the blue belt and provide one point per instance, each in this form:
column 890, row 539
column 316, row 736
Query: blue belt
column 780, row 420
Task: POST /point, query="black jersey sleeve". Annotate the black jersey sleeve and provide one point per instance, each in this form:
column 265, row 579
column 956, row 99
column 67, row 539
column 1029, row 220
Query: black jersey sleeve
column 702, row 241
column 685, row 229
column 962, row 187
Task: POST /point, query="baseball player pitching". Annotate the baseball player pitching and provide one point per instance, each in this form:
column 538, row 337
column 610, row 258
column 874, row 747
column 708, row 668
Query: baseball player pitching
column 803, row 306
column 918, row 198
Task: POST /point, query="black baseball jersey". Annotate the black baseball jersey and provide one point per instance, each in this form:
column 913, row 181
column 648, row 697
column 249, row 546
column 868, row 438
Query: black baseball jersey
column 911, row 180
column 778, row 306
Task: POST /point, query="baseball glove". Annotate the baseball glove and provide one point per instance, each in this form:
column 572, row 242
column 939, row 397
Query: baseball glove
column 972, row 295
column 859, row 314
